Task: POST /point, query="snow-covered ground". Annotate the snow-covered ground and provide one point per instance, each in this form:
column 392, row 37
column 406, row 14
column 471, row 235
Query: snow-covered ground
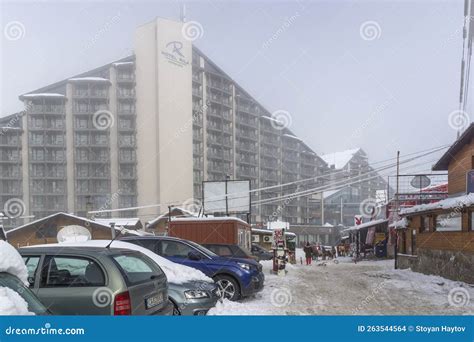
column 345, row 288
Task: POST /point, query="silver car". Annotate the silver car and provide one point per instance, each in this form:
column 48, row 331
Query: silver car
column 96, row 281
column 193, row 298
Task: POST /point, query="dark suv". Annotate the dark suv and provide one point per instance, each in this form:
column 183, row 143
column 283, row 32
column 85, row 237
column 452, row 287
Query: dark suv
column 236, row 277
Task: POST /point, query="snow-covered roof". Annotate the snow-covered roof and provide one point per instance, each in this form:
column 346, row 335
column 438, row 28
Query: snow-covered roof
column 10, row 127
column 89, row 79
column 119, row 221
column 327, row 224
column 327, row 194
column 400, row 224
column 132, row 232
column 448, row 203
column 291, row 136
column 204, row 219
column 365, row 225
column 43, row 95
column 265, row 231
column 339, row 159
column 165, row 215
column 119, row 64
column 269, row 118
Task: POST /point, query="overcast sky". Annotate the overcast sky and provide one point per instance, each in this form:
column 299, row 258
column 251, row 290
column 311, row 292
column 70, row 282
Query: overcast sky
column 381, row 75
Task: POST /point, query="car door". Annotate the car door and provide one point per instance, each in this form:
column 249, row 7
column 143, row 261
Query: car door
column 32, row 263
column 178, row 252
column 66, row 287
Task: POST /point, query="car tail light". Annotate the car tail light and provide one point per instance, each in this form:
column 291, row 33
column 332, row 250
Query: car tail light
column 122, row 304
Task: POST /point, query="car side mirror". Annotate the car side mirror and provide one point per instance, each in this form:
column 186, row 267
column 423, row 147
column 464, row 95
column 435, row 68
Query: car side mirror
column 194, row 256
column 31, row 281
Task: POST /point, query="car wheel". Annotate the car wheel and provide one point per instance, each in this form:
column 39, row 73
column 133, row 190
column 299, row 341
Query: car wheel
column 228, row 286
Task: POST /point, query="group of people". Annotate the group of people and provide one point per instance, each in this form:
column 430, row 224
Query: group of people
column 312, row 252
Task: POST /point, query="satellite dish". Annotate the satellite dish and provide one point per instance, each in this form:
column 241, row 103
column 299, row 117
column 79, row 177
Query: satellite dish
column 420, row 182
column 73, row 233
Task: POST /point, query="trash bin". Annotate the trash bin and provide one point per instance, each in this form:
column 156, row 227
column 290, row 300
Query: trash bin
column 381, row 251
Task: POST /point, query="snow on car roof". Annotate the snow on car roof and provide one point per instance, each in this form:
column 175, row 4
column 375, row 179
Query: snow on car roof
column 176, row 273
column 11, row 262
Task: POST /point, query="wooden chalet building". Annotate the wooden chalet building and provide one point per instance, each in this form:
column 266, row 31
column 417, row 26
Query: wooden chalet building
column 438, row 238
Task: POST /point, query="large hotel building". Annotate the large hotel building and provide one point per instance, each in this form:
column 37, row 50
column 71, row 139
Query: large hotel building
column 149, row 129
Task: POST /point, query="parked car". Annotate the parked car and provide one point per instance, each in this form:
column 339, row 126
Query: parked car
column 193, row 298
column 34, row 304
column 190, row 291
column 96, row 281
column 235, row 277
column 261, row 253
column 228, row 250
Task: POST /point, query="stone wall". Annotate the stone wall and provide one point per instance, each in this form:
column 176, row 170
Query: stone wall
column 448, row 264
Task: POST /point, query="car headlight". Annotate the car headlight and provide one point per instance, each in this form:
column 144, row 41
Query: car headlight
column 196, row 294
column 244, row 266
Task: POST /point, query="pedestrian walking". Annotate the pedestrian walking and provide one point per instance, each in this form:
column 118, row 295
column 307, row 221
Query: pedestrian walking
column 308, row 253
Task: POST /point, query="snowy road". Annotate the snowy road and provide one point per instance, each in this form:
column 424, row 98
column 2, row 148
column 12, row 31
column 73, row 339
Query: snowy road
column 366, row 288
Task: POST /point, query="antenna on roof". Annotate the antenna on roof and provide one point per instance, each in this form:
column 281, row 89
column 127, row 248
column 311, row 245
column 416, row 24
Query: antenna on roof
column 183, row 13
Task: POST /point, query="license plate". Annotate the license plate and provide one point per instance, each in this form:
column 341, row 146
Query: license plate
column 153, row 301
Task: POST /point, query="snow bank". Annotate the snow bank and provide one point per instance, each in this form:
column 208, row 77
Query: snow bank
column 11, row 303
column 12, row 263
column 176, row 273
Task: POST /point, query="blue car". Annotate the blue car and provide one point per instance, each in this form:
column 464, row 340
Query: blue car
column 235, row 277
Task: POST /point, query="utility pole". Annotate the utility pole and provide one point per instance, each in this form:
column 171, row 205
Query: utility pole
column 396, row 217
column 322, row 208
column 342, row 211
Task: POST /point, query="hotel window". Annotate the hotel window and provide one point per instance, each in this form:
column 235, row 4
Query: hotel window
column 449, row 222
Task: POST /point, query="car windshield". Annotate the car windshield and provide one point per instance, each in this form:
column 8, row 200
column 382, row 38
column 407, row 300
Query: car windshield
column 202, row 249
column 138, row 268
column 12, row 282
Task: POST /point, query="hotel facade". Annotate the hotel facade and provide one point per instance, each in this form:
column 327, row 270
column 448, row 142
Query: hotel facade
column 149, row 129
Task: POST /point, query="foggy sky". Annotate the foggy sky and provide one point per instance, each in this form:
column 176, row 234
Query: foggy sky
column 306, row 57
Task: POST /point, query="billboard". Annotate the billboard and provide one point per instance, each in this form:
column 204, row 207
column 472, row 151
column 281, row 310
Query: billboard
column 231, row 196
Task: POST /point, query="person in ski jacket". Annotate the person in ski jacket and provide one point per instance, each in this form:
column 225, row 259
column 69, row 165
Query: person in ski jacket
column 308, row 253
